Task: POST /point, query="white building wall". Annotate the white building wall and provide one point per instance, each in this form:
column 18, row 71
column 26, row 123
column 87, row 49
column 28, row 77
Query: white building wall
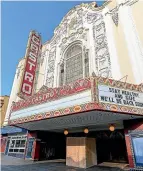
column 133, row 44
column 115, row 67
column 15, row 88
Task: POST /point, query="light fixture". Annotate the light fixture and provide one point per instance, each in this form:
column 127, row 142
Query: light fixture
column 112, row 127
column 66, row 132
column 86, row 130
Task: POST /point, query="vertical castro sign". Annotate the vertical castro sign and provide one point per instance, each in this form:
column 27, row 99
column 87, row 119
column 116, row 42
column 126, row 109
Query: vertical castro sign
column 32, row 53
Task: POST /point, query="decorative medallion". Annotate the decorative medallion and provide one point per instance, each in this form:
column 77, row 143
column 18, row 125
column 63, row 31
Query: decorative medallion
column 77, row 108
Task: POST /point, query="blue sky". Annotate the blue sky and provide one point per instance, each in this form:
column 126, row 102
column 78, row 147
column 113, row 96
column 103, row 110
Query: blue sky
column 18, row 18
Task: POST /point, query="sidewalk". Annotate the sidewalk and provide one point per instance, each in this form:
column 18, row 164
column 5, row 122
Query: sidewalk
column 14, row 164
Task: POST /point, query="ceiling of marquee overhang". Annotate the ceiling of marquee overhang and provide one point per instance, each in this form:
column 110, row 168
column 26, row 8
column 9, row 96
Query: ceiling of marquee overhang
column 92, row 118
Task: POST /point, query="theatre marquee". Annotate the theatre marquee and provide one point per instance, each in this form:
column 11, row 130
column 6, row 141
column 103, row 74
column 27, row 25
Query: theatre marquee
column 108, row 94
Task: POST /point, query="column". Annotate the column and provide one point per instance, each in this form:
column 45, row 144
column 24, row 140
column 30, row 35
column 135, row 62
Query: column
column 32, row 147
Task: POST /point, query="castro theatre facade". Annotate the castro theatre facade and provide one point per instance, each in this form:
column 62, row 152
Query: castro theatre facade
column 79, row 96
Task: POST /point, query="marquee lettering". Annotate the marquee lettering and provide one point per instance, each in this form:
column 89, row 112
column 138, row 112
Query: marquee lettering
column 26, row 88
column 31, row 63
column 35, row 39
column 50, row 93
column 32, row 56
column 121, row 97
column 28, row 77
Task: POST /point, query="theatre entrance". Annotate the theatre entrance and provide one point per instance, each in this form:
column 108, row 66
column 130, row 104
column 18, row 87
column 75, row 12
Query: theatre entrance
column 52, row 145
column 111, row 147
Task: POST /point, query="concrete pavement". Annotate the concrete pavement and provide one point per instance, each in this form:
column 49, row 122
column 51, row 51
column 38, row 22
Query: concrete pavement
column 9, row 163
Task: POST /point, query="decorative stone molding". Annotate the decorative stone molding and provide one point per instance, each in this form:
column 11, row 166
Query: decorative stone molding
column 81, row 34
column 114, row 11
column 102, row 59
column 51, row 67
column 49, row 94
column 18, row 72
column 22, row 96
column 46, row 94
column 128, row 2
column 43, row 55
column 92, row 17
column 71, row 29
column 115, row 18
column 50, row 80
column 70, row 24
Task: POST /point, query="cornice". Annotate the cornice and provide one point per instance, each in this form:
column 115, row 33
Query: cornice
column 126, row 2
column 82, row 6
column 91, row 6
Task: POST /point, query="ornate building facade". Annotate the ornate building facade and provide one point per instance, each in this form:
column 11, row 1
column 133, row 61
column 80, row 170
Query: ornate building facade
column 96, row 53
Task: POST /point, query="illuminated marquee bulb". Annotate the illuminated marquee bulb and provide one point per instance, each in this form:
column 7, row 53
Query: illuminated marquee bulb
column 112, row 127
column 66, row 132
column 86, row 130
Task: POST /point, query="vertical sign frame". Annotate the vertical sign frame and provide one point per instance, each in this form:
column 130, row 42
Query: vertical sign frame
column 31, row 58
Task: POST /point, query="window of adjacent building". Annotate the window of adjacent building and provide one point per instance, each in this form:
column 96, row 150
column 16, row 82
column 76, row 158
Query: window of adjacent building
column 17, row 144
column 75, row 65
column 1, row 103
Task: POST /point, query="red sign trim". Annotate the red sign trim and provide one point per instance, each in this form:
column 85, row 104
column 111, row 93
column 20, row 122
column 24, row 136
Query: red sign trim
column 34, row 47
column 49, row 94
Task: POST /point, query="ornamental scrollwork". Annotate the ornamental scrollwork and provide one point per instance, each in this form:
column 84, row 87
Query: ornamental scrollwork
column 50, row 80
column 114, row 12
column 73, row 23
column 52, row 54
column 68, row 26
column 91, row 17
column 55, row 40
column 80, row 18
column 43, row 54
column 102, row 59
column 115, row 18
column 81, row 34
column 51, row 67
column 18, row 72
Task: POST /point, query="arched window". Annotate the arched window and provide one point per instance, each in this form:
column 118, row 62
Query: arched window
column 74, row 66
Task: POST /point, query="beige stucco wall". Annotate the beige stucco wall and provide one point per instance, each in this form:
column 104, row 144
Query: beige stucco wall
column 112, row 4
column 21, row 65
column 15, row 88
column 137, row 13
column 41, row 73
column 122, row 52
column 3, row 108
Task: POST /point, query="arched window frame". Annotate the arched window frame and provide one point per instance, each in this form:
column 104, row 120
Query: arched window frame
column 63, row 62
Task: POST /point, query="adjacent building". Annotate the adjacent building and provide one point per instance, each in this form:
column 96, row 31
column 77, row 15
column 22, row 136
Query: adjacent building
column 3, row 107
column 79, row 96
